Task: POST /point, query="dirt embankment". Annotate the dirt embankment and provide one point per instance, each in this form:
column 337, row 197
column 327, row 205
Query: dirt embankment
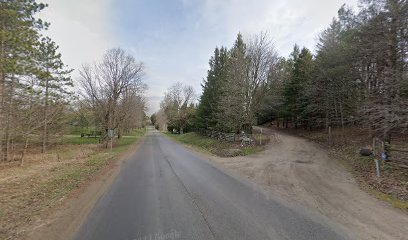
column 302, row 171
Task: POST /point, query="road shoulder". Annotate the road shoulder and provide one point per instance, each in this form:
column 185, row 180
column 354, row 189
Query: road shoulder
column 65, row 219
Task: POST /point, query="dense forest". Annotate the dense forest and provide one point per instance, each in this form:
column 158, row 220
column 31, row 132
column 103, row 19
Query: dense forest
column 38, row 100
column 356, row 77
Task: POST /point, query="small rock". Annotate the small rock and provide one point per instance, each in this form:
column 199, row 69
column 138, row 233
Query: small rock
column 366, row 152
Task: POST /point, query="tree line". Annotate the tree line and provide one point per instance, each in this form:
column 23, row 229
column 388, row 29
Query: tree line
column 177, row 109
column 38, row 101
column 357, row 76
column 34, row 82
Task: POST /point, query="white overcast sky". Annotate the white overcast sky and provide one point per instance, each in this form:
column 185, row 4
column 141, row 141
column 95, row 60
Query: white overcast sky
column 175, row 38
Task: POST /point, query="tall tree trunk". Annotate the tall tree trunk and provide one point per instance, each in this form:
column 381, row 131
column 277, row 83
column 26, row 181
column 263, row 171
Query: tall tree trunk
column 119, row 133
column 27, row 130
column 24, row 150
column 327, row 120
column 8, row 132
column 45, row 127
column 336, row 113
column 2, row 128
column 2, row 92
column 342, row 117
column 13, row 148
column 296, row 122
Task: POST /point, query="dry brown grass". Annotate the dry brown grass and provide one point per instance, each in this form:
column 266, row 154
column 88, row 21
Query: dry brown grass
column 27, row 192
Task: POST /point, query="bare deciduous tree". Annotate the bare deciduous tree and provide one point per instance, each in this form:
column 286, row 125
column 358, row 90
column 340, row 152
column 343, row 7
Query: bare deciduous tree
column 178, row 105
column 262, row 57
column 109, row 87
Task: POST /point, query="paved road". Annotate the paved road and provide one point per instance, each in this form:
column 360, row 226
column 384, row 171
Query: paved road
column 167, row 192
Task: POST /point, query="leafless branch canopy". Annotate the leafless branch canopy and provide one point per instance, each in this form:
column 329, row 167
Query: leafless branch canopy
column 112, row 86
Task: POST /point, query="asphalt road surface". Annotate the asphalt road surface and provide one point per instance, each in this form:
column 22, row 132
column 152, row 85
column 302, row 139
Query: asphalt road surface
column 166, row 191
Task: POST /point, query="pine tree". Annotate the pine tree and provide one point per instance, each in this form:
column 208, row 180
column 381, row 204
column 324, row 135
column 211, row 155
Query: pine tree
column 295, row 99
column 383, row 43
column 231, row 116
column 209, row 107
column 272, row 103
column 32, row 77
column 54, row 82
column 19, row 36
column 334, row 87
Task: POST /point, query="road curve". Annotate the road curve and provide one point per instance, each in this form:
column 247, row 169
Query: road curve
column 165, row 191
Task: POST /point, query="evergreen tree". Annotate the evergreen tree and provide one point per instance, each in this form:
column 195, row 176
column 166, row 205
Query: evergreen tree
column 295, row 100
column 383, row 54
column 334, row 87
column 54, row 82
column 272, row 102
column 231, row 116
column 209, row 107
column 19, row 36
column 32, row 76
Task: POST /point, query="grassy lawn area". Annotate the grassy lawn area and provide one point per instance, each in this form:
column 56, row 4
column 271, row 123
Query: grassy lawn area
column 77, row 139
column 28, row 191
column 213, row 146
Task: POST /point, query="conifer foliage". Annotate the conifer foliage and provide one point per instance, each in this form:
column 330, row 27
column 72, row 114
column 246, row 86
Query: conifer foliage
column 34, row 82
column 357, row 76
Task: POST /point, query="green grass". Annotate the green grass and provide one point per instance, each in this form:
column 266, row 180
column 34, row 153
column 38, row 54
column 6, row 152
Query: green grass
column 77, row 139
column 250, row 150
column 73, row 176
column 125, row 140
column 197, row 140
column 395, row 202
column 211, row 145
column 78, row 130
